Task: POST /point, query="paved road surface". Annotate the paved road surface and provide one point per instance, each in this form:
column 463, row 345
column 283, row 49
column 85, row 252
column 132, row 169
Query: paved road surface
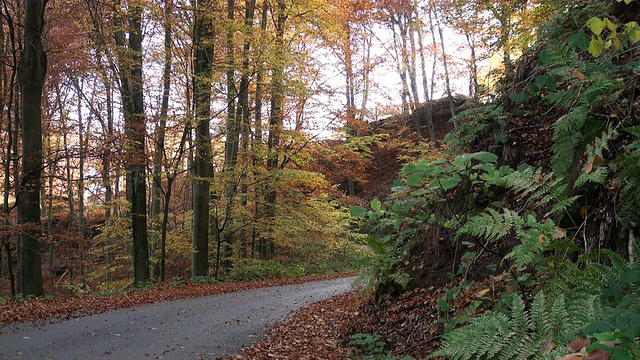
column 203, row 328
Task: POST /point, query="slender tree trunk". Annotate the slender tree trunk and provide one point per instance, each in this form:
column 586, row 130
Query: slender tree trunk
column 366, row 78
column 400, row 67
column 231, row 149
column 32, row 70
column 203, row 168
column 243, row 111
column 7, row 101
column 50, row 233
column 474, row 87
column 82, row 148
column 106, row 174
column 409, row 43
column 425, row 86
column 156, row 187
column 275, row 122
column 257, row 145
column 446, row 71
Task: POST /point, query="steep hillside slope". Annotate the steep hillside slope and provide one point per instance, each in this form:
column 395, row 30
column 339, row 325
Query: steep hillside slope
column 530, row 214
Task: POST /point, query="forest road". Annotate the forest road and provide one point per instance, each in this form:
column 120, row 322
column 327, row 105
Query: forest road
column 201, row 328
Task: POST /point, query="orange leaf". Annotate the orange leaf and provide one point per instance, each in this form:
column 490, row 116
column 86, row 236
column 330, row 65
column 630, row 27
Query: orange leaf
column 588, row 168
column 574, row 356
column 599, row 354
column 541, row 239
column 579, row 75
column 579, row 344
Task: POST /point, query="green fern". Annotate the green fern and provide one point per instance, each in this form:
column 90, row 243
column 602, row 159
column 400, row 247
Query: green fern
column 491, row 224
column 516, row 335
column 630, row 179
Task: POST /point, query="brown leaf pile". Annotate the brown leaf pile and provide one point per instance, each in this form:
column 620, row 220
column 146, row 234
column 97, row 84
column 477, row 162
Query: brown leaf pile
column 51, row 310
column 315, row 331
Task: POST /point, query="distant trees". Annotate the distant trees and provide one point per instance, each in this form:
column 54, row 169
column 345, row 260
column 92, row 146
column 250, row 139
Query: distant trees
column 153, row 98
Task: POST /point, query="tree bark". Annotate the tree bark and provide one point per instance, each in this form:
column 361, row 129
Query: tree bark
column 130, row 60
column 156, row 187
column 203, row 168
column 425, row 85
column 32, row 71
column 257, row 144
column 275, row 122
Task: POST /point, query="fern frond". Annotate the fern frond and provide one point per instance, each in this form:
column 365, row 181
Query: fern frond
column 540, row 319
column 491, row 224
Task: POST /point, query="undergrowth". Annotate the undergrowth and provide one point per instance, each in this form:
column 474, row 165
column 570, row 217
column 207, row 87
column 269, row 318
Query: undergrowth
column 563, row 232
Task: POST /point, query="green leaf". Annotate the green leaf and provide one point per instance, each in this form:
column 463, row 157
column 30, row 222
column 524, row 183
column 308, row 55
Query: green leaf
column 620, row 354
column 596, row 25
column 415, row 180
column 595, row 46
column 579, row 40
column 450, row 183
column 602, row 347
column 545, row 57
column 358, row 212
column 632, row 30
column 376, row 205
column 629, row 323
column 630, row 277
column 486, row 157
column 518, row 97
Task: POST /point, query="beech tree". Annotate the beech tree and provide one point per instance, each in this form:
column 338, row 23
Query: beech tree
column 32, row 71
column 131, row 92
column 202, row 167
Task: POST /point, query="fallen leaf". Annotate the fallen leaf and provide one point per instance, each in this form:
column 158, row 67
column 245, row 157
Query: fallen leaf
column 579, row 344
column 574, row 356
column 547, row 346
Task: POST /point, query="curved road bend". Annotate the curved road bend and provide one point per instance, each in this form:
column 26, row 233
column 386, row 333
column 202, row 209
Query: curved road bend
column 201, row 328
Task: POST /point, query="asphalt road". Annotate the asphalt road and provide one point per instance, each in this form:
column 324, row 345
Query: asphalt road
column 202, row 328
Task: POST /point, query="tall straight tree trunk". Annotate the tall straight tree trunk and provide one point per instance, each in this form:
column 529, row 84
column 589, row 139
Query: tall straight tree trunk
column 82, row 148
column 156, row 187
column 425, row 84
column 230, row 146
column 203, row 168
column 400, row 67
column 350, row 93
column 106, row 171
column 474, row 86
column 8, row 91
column 32, row 71
column 135, row 133
column 446, row 70
column 257, row 145
column 242, row 111
column 275, row 122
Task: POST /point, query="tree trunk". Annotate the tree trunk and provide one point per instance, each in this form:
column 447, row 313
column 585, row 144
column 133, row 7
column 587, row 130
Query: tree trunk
column 156, row 187
column 135, row 133
column 446, row 72
column 203, row 168
column 425, row 85
column 242, row 111
column 257, row 145
column 275, row 123
column 32, row 70
column 8, row 96
column 82, row 148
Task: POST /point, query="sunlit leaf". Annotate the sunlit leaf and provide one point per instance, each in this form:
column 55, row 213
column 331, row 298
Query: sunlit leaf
column 596, row 25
